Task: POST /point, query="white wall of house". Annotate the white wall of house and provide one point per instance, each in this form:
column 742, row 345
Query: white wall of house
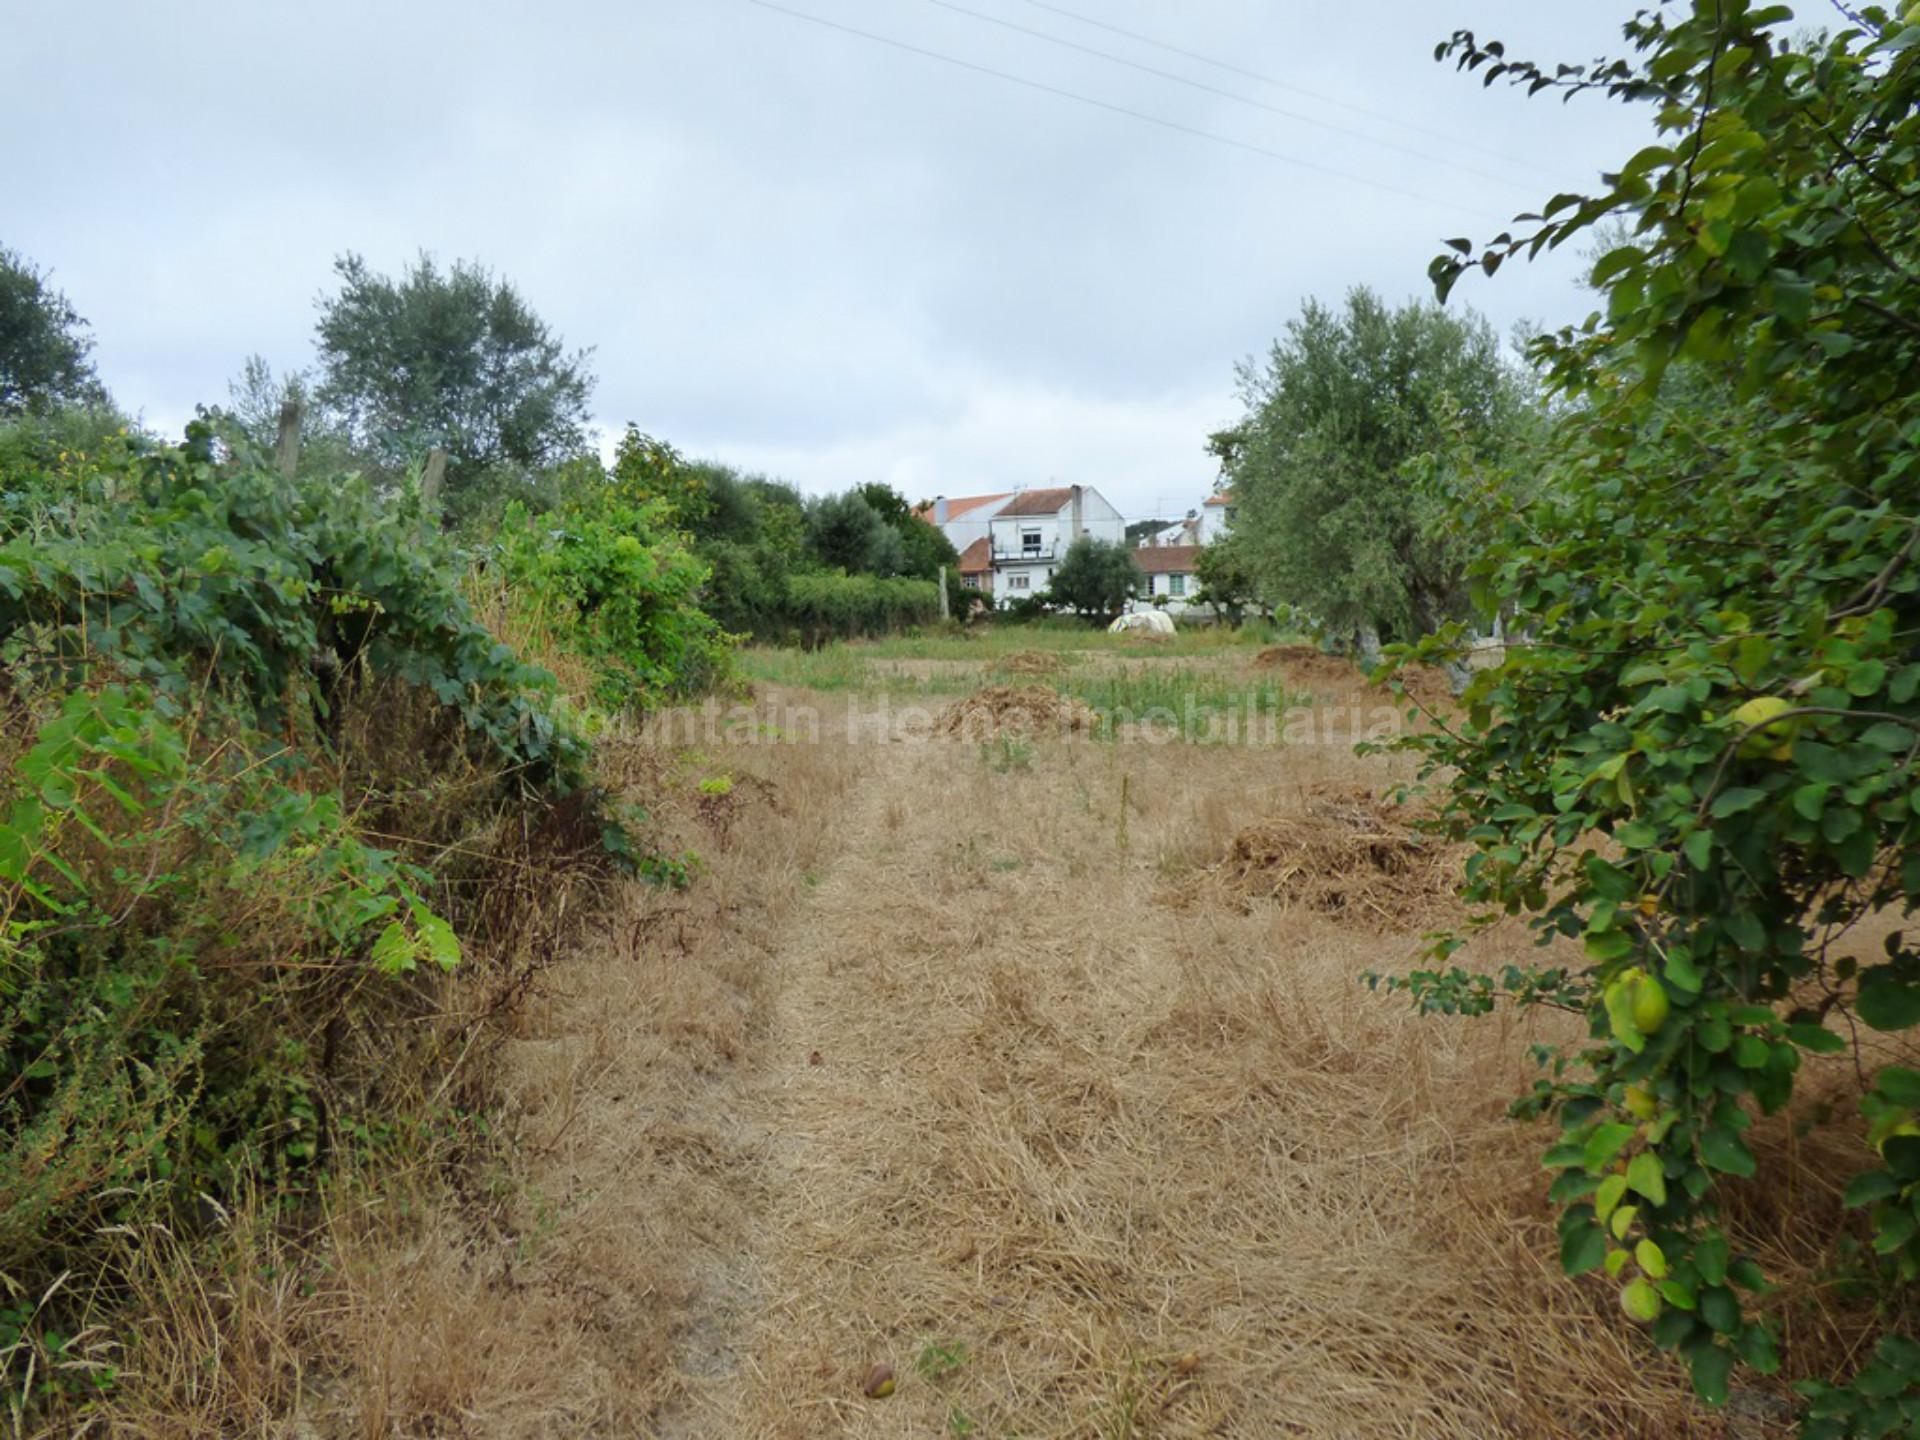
column 1174, row 592
column 1215, row 522
column 1099, row 519
column 1021, row 580
column 1181, row 532
column 962, row 530
column 1027, row 538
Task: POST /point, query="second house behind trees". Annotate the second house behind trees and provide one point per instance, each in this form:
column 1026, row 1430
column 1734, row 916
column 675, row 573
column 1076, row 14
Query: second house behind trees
column 1010, row 544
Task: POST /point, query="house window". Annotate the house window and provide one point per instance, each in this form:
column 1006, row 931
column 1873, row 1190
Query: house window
column 972, row 582
column 1227, row 514
column 1016, row 582
column 1030, row 542
column 1176, row 584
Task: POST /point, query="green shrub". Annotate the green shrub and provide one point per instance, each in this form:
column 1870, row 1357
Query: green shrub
column 830, row 605
column 264, row 777
column 619, row 587
column 1699, row 759
column 170, row 568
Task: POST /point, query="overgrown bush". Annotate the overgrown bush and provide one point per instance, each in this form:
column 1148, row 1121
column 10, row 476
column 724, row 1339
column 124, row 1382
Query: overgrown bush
column 1699, row 761
column 258, row 762
column 621, row 588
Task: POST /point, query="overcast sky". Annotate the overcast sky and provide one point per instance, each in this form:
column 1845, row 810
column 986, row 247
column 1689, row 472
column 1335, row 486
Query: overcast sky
column 794, row 248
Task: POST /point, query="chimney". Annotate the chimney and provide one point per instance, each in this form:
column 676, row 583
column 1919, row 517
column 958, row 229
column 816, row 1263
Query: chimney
column 1076, row 524
column 939, row 509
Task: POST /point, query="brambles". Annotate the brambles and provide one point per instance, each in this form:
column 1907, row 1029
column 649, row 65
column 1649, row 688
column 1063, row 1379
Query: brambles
column 262, row 776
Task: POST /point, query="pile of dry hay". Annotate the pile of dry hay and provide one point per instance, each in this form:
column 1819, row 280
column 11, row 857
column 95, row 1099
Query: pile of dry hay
column 1348, row 854
column 1304, row 664
column 1024, row 710
column 1030, row 662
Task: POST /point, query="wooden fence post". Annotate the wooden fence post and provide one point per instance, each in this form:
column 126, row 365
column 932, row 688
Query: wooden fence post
column 434, row 476
column 287, row 446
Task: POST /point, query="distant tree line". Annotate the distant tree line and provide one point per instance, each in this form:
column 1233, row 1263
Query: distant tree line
column 453, row 359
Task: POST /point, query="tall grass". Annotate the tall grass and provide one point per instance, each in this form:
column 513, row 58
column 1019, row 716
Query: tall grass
column 1196, row 702
column 1191, row 685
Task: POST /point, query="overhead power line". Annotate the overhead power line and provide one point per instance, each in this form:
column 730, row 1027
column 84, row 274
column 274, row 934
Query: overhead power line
column 1238, row 99
column 1277, row 84
column 1112, row 108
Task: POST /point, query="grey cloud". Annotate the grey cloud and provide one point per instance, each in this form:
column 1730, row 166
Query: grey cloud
column 791, row 247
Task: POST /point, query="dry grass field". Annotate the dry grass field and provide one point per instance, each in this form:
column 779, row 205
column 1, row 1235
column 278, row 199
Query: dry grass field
column 1036, row 1070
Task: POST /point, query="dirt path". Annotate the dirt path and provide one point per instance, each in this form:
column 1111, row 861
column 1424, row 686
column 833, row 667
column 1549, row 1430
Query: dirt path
column 953, row 1060
column 1078, row 1147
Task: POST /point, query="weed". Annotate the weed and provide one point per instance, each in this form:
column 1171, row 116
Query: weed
column 1007, row 755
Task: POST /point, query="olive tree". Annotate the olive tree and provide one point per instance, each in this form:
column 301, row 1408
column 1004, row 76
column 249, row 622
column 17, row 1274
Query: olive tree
column 45, row 353
column 1095, row 579
column 1342, row 508
column 453, row 358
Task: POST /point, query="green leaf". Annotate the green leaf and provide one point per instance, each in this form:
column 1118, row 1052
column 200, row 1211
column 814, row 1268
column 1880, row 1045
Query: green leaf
column 442, row 945
column 1699, row 849
column 1817, row 1039
column 393, row 952
column 1711, row 1368
column 1612, row 1191
column 1607, row 946
column 1720, row 1308
column 1866, row 678
column 1617, row 262
column 1722, row 1150
column 1865, row 1189
column 1674, row 1293
column 1583, row 1248
column 1645, row 1177
column 1710, row 1259
column 1887, row 1003
column 1735, row 800
column 1605, row 1143
column 1900, row 1085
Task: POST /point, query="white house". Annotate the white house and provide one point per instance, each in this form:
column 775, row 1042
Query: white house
column 1028, row 536
column 963, row 520
column 1171, row 580
column 1181, row 532
column 1216, row 518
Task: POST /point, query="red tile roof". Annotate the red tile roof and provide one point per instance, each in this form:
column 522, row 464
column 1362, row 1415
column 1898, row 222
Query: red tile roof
column 977, row 558
column 1167, row 559
column 1225, row 497
column 960, row 505
column 1040, row 502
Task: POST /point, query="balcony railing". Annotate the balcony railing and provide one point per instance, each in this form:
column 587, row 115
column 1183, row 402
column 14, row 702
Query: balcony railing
column 1023, row 552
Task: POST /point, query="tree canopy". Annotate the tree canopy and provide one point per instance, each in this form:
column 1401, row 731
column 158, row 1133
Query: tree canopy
column 846, row 531
column 924, row 548
column 1095, row 578
column 454, row 358
column 1343, row 509
column 45, row 353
